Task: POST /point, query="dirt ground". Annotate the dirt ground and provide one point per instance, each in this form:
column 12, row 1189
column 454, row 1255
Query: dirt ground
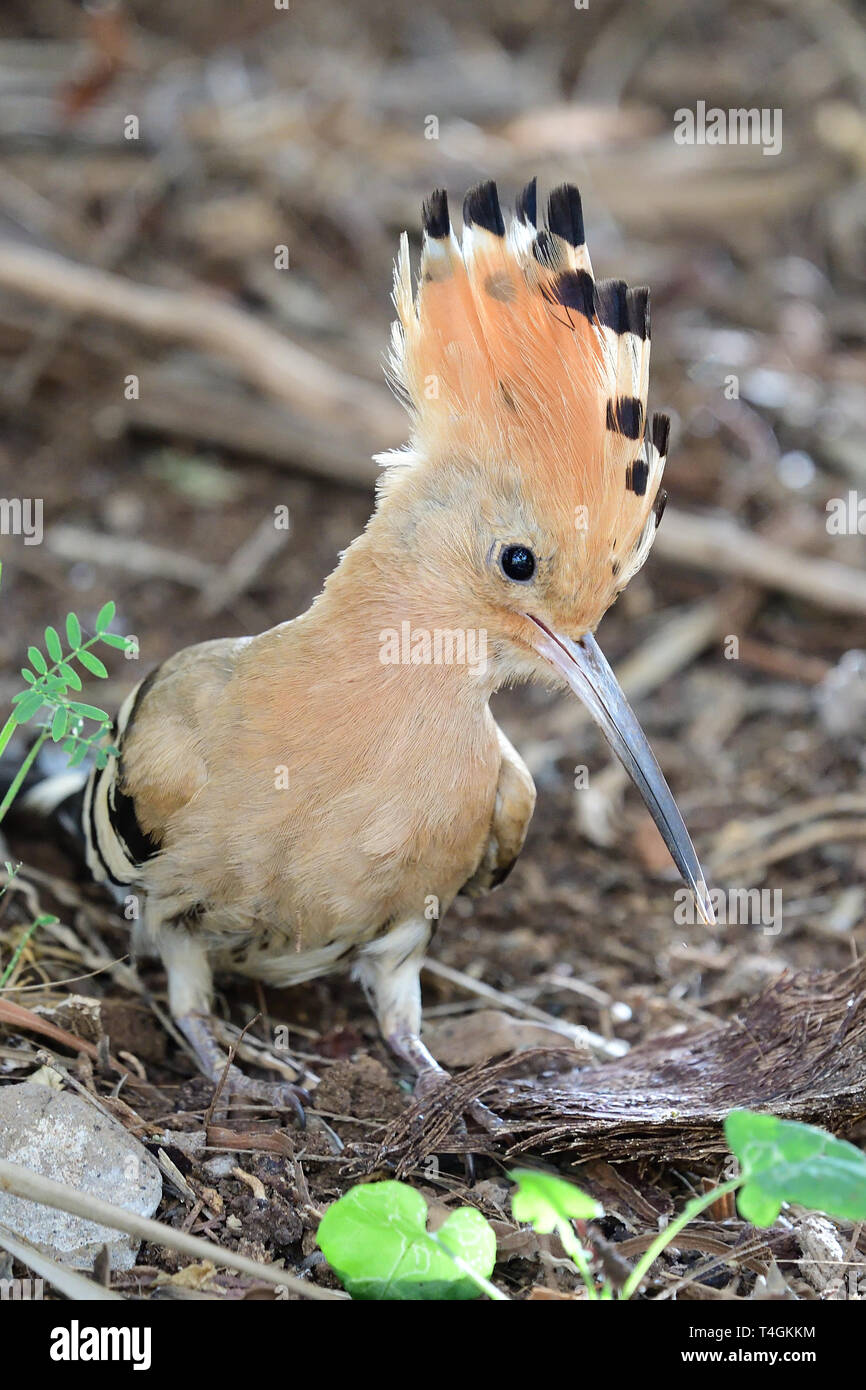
column 308, row 129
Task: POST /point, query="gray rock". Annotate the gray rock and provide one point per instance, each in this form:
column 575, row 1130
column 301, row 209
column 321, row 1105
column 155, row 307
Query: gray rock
column 62, row 1137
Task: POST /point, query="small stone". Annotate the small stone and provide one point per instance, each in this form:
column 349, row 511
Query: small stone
column 62, row 1137
column 220, row 1166
column 841, row 697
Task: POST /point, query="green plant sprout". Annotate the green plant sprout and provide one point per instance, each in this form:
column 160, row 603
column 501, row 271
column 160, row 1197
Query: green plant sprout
column 547, row 1204
column 47, row 687
column 45, row 919
column 375, row 1238
column 50, row 682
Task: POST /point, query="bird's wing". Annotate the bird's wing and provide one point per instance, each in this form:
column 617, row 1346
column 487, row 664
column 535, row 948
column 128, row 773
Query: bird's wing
column 161, row 734
column 512, row 812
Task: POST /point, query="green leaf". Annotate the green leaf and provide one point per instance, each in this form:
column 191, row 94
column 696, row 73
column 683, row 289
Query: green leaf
column 35, row 657
column 78, row 756
column 70, row 675
column 92, row 664
column 784, row 1161
column 88, row 711
column 105, row 616
column 28, row 675
column 53, row 644
column 547, row 1202
column 375, row 1238
column 73, row 630
column 112, row 639
column 25, row 709
column 59, row 723
column 100, row 757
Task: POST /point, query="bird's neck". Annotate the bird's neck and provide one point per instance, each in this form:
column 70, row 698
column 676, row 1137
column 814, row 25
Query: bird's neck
column 388, row 614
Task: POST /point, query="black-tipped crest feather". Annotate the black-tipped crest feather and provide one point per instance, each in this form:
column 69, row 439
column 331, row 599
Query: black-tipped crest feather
column 565, row 214
column 636, row 477
column 480, row 302
column 544, row 250
column 575, row 289
column 625, row 415
column 660, row 433
column 637, row 311
column 434, row 215
column 611, row 304
column 481, row 208
column 526, row 206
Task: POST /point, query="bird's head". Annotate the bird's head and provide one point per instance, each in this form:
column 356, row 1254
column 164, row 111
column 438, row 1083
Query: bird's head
column 530, row 490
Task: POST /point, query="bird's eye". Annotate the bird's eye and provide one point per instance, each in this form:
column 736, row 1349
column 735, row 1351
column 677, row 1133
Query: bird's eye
column 518, row 563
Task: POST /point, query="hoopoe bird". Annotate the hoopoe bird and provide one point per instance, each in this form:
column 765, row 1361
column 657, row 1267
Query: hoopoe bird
column 293, row 803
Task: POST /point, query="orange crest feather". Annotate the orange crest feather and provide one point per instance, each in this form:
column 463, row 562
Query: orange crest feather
column 512, row 350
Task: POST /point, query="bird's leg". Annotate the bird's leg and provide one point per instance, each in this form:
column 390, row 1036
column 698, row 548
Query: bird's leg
column 410, row 1049
column 190, row 997
column 390, row 971
column 430, row 1076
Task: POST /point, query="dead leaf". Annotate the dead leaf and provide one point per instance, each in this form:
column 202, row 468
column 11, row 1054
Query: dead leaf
column 487, row 1033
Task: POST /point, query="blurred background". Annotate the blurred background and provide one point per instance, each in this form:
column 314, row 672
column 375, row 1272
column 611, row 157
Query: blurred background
column 199, row 209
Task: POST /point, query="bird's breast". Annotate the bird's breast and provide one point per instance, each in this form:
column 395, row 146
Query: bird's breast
column 319, row 831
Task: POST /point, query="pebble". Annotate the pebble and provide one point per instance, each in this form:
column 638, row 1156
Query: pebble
column 62, row 1137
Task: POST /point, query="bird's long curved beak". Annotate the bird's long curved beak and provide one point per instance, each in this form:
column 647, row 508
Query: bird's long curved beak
column 590, row 677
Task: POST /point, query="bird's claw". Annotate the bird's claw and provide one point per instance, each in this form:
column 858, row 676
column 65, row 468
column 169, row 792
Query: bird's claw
column 487, row 1119
column 281, row 1095
column 198, row 1029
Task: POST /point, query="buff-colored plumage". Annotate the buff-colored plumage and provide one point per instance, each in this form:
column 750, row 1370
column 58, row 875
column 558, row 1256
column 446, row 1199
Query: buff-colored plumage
column 298, row 800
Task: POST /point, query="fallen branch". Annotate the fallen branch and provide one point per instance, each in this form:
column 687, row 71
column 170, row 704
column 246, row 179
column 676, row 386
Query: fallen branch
column 233, row 418
column 722, row 547
column 67, row 1281
column 745, row 846
column 249, row 561
column 258, row 352
column 828, row 832
column 593, row 1043
column 131, row 556
column 22, row 1182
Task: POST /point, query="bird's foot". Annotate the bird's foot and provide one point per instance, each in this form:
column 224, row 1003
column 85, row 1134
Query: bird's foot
column 277, row 1095
column 431, row 1077
column 213, row 1062
column 434, row 1078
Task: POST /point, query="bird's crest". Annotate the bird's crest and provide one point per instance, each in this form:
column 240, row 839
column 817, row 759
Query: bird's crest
column 512, row 350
